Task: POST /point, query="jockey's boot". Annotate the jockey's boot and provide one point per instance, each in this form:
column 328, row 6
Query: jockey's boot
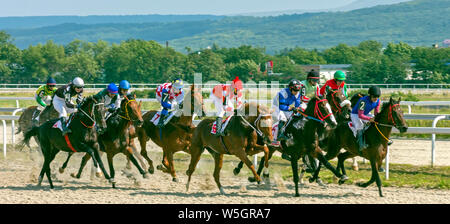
column 281, row 128
column 161, row 121
column 35, row 121
column 65, row 130
column 360, row 139
column 219, row 126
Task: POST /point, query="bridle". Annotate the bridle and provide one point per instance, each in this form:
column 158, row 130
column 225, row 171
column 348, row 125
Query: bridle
column 91, row 114
column 336, row 104
column 127, row 115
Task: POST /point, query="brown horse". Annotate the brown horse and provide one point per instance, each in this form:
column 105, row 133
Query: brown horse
column 377, row 137
column 117, row 139
column 240, row 141
column 89, row 116
column 26, row 118
column 174, row 136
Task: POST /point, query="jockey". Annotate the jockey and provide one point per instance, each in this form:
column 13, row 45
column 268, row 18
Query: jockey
column 309, row 88
column 360, row 113
column 43, row 97
column 110, row 96
column 284, row 103
column 334, row 84
column 225, row 97
column 124, row 86
column 170, row 95
column 62, row 101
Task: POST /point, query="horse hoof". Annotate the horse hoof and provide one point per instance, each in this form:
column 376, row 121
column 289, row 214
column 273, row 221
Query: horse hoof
column 175, row 180
column 73, row 175
column 151, row 170
column 146, row 175
column 159, row 167
column 266, row 175
column 320, row 183
column 343, row 179
column 61, row 170
column 297, row 195
column 355, row 168
column 252, row 179
column 98, row 174
column 236, row 171
column 128, row 167
column 311, row 179
column 222, row 191
column 364, row 185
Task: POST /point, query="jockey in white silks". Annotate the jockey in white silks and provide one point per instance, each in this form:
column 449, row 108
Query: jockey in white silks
column 225, row 97
column 62, row 101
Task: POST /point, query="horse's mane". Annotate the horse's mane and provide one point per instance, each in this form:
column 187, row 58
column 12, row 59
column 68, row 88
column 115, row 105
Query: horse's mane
column 383, row 108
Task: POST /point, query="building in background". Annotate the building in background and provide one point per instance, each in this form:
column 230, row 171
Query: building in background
column 327, row 71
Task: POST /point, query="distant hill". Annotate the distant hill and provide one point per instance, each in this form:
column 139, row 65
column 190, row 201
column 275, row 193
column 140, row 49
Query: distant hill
column 41, row 21
column 357, row 4
column 420, row 22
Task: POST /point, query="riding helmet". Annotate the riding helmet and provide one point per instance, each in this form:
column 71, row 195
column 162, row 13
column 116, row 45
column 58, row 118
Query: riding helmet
column 339, row 75
column 112, row 88
column 124, row 84
column 375, row 91
column 313, row 74
column 78, row 82
column 177, row 84
column 295, row 85
column 237, row 84
column 51, row 81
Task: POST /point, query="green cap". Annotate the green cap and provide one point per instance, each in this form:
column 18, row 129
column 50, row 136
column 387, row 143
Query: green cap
column 339, row 75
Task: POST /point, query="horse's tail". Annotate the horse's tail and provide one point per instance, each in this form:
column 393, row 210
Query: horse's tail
column 27, row 136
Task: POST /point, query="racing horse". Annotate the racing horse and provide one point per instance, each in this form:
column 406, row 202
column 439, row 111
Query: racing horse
column 116, row 138
column 340, row 106
column 25, row 119
column 241, row 140
column 175, row 135
column 377, row 138
column 87, row 121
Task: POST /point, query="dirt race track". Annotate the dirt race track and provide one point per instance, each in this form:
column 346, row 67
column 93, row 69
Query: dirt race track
column 18, row 183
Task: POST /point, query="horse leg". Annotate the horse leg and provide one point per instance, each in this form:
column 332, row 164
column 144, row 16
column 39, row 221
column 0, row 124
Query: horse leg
column 64, row 166
column 342, row 178
column 129, row 154
column 165, row 164
column 355, row 164
column 95, row 170
column 260, row 167
column 341, row 159
column 237, row 169
column 218, row 161
column 377, row 176
column 196, row 153
column 112, row 172
column 95, row 155
column 294, row 165
column 47, row 167
column 143, row 142
column 138, row 156
column 171, row 167
column 84, row 161
column 243, row 157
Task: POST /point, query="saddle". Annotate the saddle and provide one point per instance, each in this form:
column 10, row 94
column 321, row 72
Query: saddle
column 58, row 123
column 224, row 125
column 353, row 129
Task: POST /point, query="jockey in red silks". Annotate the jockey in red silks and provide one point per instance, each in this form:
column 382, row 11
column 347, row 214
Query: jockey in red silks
column 171, row 96
column 226, row 98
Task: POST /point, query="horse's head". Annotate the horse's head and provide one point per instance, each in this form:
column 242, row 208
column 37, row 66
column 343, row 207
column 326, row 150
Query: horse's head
column 392, row 114
column 340, row 105
column 131, row 110
column 261, row 120
column 319, row 108
column 93, row 108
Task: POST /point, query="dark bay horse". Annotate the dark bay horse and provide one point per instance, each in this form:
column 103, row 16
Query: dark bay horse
column 340, row 106
column 174, row 136
column 26, row 118
column 116, row 138
column 84, row 123
column 241, row 140
column 377, row 135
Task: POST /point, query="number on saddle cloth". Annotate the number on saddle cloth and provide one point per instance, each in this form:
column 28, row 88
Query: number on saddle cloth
column 224, row 125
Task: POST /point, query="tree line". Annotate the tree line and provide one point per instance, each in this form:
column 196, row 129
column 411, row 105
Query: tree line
column 141, row 61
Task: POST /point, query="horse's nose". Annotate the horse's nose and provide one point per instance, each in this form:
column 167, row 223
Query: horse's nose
column 403, row 129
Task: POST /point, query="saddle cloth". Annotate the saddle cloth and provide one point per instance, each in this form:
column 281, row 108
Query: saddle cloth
column 275, row 130
column 155, row 118
column 353, row 129
column 224, row 125
column 58, row 124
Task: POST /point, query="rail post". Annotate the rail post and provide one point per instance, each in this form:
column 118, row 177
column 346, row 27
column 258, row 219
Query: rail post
column 4, row 138
column 13, row 126
column 386, row 163
column 433, row 138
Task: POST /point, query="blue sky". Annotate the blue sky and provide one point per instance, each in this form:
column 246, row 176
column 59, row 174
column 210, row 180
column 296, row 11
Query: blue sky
column 129, row 7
